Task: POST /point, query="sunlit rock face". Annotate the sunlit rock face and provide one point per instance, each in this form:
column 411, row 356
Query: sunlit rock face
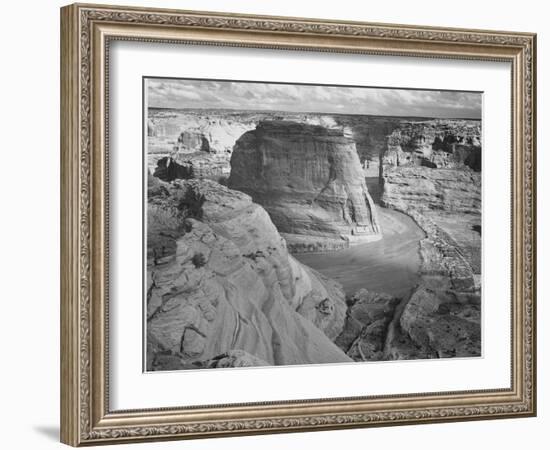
column 220, row 280
column 199, row 165
column 436, row 143
column 310, row 181
column 182, row 144
column 367, row 321
column 190, row 131
column 425, row 189
column 191, row 141
column 432, row 172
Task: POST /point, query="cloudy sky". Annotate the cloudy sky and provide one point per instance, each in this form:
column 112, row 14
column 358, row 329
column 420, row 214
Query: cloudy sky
column 184, row 93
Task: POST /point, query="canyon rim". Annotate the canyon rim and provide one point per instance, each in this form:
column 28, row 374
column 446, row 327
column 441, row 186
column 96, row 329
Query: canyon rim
column 307, row 224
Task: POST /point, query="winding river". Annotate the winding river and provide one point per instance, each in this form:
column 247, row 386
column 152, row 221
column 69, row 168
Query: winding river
column 390, row 265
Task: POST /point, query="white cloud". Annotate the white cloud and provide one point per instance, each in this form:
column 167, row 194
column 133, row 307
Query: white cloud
column 186, row 93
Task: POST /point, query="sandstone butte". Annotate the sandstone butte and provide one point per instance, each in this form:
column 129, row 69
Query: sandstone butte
column 310, row 181
column 220, row 278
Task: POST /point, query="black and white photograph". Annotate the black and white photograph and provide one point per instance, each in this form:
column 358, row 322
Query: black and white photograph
column 306, row 224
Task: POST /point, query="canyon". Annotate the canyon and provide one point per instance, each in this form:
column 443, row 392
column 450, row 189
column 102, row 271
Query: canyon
column 278, row 238
column 181, row 133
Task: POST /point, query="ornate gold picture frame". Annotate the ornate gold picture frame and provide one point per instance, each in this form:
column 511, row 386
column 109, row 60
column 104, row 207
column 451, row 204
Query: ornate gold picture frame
column 87, row 31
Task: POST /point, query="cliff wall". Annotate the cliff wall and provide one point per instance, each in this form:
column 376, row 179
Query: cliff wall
column 310, row 181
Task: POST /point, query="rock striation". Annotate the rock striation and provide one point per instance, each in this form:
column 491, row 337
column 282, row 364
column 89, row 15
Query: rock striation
column 437, row 323
column 192, row 141
column 434, row 321
column 189, row 131
column 430, row 175
column 446, row 204
column 220, row 280
column 423, row 189
column 183, row 144
column 310, row 181
column 437, row 143
column 216, row 131
column 180, row 166
column 166, row 360
column 367, row 320
column 432, row 172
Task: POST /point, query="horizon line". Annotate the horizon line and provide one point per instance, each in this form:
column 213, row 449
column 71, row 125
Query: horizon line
column 310, row 112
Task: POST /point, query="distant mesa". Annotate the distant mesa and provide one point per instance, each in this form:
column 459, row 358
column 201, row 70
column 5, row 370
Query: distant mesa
column 311, row 182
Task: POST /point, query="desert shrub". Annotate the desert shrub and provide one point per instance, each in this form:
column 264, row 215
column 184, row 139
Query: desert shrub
column 198, row 260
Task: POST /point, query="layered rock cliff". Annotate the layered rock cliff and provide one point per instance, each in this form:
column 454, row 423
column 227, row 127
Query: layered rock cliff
column 423, row 189
column 431, row 172
column 310, row 181
column 199, row 165
column 446, row 204
column 438, row 143
column 188, row 131
column 215, row 131
column 220, row 280
column 183, row 144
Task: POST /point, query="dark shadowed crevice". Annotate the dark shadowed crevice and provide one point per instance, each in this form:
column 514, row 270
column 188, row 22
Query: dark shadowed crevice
column 169, row 170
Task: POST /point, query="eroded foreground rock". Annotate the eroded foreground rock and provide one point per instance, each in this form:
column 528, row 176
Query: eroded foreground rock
column 220, row 279
column 432, row 322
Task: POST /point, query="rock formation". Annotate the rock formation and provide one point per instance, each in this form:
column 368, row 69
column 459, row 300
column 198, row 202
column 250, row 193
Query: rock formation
column 220, row 279
column 440, row 143
column 439, row 324
column 192, row 141
column 370, row 134
column 431, row 172
column 424, row 189
column 310, row 181
column 367, row 320
column 446, row 204
column 222, row 289
column 187, row 131
column 444, row 141
column 182, row 144
column 200, row 165
column 439, row 319
column 166, row 360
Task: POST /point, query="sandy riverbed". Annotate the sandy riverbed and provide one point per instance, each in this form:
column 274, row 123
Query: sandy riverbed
column 390, row 265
